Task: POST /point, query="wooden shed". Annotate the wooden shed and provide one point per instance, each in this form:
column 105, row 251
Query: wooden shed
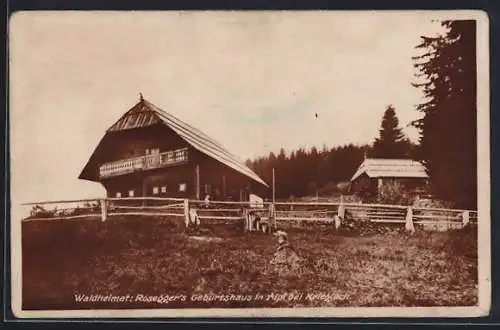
column 149, row 152
column 373, row 173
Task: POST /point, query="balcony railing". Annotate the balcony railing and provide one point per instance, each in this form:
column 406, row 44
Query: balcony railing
column 141, row 163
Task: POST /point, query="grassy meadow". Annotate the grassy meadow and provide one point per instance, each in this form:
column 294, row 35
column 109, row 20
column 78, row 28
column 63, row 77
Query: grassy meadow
column 153, row 263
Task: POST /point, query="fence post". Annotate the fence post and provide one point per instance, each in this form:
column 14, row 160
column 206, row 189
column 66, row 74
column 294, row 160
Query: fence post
column 338, row 218
column 465, row 218
column 104, row 210
column 272, row 215
column 250, row 220
column 337, row 222
column 186, row 212
column 409, row 220
column 245, row 219
column 341, row 210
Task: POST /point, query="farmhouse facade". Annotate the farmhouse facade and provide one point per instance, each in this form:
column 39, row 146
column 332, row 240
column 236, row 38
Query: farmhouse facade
column 149, row 152
column 374, row 173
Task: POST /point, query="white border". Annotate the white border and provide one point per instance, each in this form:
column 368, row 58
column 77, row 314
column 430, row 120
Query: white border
column 484, row 246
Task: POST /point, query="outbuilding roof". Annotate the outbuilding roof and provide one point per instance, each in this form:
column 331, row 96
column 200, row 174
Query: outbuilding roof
column 145, row 114
column 396, row 168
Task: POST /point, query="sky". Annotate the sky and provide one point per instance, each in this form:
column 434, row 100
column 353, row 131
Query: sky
column 253, row 81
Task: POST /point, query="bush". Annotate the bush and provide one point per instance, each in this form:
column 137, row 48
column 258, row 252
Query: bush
column 394, row 193
column 38, row 211
column 356, row 225
column 431, row 203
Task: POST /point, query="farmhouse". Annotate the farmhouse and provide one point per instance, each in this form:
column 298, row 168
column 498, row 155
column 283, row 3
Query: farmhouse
column 373, row 173
column 149, row 152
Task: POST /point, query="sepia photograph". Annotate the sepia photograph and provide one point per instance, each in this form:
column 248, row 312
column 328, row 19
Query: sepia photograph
column 250, row 164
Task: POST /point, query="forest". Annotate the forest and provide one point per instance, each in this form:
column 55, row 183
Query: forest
column 310, row 172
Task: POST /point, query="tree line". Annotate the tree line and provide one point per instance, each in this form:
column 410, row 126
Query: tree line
column 446, row 74
column 309, row 172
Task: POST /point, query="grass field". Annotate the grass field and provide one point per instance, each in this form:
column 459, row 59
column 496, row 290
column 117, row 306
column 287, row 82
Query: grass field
column 140, row 259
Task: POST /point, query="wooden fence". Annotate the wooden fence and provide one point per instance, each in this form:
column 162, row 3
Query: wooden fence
column 272, row 214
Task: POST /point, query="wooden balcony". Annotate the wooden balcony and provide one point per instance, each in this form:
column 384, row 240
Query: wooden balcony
column 143, row 163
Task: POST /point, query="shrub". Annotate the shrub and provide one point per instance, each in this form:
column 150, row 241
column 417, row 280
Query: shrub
column 394, row 193
column 431, row 203
column 38, row 211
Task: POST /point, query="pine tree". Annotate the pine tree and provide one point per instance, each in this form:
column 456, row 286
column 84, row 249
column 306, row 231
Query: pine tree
column 447, row 129
column 391, row 142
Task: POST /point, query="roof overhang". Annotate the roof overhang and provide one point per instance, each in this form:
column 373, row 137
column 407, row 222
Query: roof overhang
column 145, row 114
column 391, row 168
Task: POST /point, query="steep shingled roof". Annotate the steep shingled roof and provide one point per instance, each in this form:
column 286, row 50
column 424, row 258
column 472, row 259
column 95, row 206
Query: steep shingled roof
column 145, row 114
column 395, row 168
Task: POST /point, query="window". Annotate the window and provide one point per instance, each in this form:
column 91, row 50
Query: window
column 131, row 193
column 155, row 190
column 182, row 187
column 164, row 189
column 118, row 195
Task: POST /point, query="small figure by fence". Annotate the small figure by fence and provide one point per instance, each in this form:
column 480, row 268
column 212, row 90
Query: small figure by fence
column 252, row 221
column 264, row 226
column 337, row 218
column 194, row 219
column 207, row 201
column 191, row 215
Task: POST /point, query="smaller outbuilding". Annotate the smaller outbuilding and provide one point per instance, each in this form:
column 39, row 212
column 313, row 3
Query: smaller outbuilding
column 374, row 173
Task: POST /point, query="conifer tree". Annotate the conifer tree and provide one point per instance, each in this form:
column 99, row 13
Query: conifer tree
column 391, row 142
column 447, row 77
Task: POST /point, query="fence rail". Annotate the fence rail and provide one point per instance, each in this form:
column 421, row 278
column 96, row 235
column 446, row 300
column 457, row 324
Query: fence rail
column 429, row 218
